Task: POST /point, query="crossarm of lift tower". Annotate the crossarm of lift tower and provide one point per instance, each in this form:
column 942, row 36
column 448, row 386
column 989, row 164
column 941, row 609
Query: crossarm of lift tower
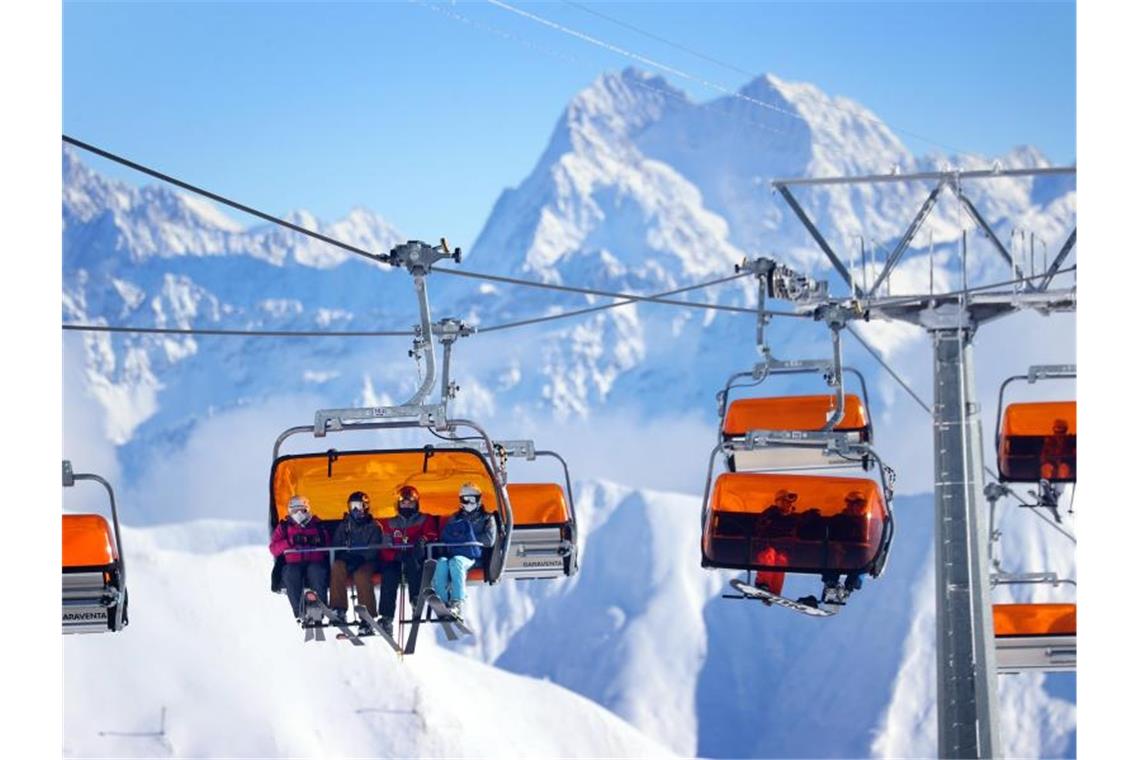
column 966, row 307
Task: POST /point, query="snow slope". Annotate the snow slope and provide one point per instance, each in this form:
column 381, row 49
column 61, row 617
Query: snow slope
column 209, row 644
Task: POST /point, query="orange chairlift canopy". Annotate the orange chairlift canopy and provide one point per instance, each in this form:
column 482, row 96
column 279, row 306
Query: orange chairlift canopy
column 328, row 478
column 87, row 542
column 793, row 413
column 1035, row 620
column 795, row 523
column 538, row 504
column 1038, row 440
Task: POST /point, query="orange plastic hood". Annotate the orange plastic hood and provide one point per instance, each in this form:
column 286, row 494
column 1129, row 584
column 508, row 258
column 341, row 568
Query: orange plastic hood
column 538, row 504
column 88, row 541
column 328, row 479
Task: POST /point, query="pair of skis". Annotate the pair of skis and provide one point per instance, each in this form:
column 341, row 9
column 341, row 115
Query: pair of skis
column 316, row 611
column 450, row 622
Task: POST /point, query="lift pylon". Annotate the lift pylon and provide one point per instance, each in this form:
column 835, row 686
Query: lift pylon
column 968, row 725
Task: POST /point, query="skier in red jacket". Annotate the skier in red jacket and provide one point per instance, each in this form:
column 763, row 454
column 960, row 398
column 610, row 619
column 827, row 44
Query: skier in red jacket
column 409, row 531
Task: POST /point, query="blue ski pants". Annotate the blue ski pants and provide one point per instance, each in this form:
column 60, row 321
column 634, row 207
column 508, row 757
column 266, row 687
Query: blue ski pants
column 453, row 569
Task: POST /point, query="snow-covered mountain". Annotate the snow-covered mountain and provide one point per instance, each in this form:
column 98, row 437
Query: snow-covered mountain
column 639, row 189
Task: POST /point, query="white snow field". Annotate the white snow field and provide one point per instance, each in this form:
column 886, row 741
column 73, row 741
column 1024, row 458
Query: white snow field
column 208, row 643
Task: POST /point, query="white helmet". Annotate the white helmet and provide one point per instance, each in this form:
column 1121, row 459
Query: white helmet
column 299, row 510
column 470, row 497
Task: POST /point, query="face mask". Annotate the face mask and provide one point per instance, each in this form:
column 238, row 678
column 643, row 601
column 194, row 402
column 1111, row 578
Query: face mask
column 356, row 506
column 407, row 511
column 469, row 506
column 300, row 516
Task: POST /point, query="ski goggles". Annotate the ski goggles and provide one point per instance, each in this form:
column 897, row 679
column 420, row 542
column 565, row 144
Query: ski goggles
column 469, row 499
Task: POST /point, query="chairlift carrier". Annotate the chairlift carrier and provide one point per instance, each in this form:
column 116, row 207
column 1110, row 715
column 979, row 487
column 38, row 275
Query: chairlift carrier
column 94, row 574
column 1037, row 440
column 760, row 517
column 544, row 546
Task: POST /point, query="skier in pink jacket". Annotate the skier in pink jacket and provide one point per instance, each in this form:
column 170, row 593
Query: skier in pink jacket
column 303, row 569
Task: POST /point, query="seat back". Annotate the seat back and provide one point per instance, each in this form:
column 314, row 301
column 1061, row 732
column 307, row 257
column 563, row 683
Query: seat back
column 787, row 413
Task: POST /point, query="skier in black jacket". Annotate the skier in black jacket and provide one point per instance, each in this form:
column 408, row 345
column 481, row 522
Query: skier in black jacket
column 356, row 528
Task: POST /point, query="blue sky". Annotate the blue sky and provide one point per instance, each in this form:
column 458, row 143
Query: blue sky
column 426, row 111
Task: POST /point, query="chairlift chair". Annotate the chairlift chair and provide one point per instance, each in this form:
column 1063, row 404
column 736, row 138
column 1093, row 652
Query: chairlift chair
column 461, row 451
column 544, row 539
column 760, row 516
column 1037, row 440
column 94, row 575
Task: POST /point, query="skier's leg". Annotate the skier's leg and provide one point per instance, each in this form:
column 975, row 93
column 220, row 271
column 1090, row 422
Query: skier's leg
column 439, row 580
column 294, row 577
column 458, row 567
column 413, row 573
column 365, row 591
column 317, row 574
column 389, row 584
column 338, row 586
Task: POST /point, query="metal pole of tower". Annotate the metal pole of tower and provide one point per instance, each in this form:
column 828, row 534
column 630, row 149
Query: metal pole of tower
column 968, row 725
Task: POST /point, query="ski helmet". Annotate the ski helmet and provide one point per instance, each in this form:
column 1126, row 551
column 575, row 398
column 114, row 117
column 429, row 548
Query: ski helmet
column 358, row 501
column 470, row 497
column 299, row 510
column 408, row 501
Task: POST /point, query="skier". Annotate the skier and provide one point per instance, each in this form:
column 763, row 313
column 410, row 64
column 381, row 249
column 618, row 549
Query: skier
column 356, row 529
column 1055, row 453
column 853, row 529
column 302, row 569
column 411, row 529
column 471, row 524
column 777, row 521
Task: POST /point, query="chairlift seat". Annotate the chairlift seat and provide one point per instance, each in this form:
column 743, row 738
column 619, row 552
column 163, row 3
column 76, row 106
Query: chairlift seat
column 788, row 413
column 1038, row 440
column 92, row 582
column 542, row 541
column 795, row 523
column 1041, row 637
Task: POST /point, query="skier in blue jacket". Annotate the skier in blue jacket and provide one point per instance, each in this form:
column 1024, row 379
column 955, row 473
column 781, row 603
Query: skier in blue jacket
column 471, row 524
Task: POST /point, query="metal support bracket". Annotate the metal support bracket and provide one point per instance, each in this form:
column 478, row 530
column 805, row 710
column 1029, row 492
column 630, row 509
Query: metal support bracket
column 1050, row 371
column 521, row 449
column 429, row 415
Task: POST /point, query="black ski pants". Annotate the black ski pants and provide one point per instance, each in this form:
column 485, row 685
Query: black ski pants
column 302, row 575
column 411, row 565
